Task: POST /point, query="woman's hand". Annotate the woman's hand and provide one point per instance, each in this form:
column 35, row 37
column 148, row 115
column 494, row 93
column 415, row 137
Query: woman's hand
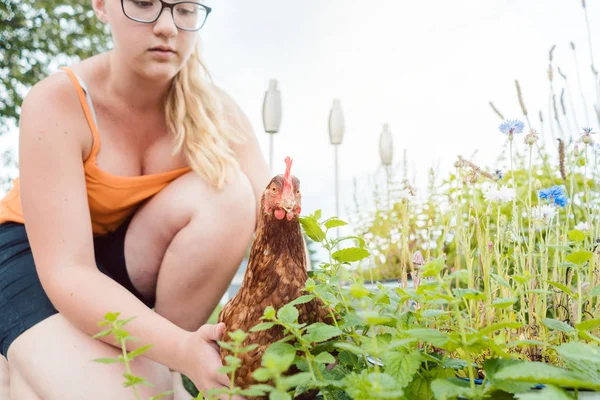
column 205, row 359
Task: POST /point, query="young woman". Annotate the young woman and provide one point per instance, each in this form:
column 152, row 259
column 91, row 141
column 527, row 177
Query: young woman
column 138, row 193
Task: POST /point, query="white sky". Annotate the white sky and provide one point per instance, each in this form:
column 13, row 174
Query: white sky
column 427, row 68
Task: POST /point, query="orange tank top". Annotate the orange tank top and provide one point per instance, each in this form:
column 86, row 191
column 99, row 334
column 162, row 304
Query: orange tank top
column 112, row 199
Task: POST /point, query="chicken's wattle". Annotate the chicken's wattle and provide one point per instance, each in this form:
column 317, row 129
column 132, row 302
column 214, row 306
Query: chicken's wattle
column 280, row 213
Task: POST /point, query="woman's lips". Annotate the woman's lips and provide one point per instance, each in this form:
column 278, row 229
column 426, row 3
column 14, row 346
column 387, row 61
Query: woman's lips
column 162, row 54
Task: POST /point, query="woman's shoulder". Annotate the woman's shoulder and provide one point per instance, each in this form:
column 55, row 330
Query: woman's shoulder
column 53, row 100
column 57, row 88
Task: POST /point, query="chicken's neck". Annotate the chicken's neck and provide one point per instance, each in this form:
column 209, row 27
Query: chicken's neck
column 279, row 238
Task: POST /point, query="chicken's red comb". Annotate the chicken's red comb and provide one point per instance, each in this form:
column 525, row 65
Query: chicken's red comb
column 287, row 181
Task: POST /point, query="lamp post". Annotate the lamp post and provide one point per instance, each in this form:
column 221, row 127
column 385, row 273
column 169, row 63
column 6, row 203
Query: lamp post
column 386, row 152
column 336, row 135
column 272, row 115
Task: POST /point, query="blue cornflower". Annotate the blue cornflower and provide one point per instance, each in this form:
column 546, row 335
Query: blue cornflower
column 511, row 126
column 555, row 195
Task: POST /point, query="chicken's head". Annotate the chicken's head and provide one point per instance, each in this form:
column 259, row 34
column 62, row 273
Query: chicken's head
column 282, row 198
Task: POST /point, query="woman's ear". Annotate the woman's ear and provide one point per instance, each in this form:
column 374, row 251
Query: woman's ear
column 100, row 10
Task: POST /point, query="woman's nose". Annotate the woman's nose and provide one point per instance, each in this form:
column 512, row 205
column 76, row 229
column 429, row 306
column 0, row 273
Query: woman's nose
column 165, row 24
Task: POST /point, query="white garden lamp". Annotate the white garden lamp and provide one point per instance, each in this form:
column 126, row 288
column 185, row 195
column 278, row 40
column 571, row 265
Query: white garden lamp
column 272, row 115
column 336, row 135
column 386, row 151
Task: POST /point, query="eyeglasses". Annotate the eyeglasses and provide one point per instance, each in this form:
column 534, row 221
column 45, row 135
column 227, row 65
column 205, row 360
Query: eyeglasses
column 187, row 15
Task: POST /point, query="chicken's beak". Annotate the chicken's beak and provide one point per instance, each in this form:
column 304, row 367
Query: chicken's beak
column 288, row 204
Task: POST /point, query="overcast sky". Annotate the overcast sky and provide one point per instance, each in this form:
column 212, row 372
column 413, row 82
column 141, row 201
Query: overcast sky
column 427, row 68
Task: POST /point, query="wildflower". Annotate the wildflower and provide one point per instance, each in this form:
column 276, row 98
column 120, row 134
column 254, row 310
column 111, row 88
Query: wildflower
column 543, row 213
column 498, row 174
column 490, row 245
column 586, row 138
column 418, row 258
column 406, row 194
column 582, row 226
column 531, row 137
column 554, row 195
column 511, row 127
column 504, row 194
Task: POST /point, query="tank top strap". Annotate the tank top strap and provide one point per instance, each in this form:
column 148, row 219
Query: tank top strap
column 89, row 116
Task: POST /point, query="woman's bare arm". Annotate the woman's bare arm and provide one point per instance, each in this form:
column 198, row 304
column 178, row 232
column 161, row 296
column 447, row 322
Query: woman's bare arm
column 53, row 134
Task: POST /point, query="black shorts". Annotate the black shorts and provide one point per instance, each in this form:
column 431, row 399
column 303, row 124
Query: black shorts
column 23, row 302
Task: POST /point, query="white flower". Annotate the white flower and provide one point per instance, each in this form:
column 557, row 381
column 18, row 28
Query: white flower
column 582, row 226
column 543, row 213
column 504, row 194
column 406, row 194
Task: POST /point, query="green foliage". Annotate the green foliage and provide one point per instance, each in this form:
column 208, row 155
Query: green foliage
column 115, row 327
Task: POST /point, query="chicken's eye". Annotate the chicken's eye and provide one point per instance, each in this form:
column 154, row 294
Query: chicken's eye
column 298, row 191
column 274, row 189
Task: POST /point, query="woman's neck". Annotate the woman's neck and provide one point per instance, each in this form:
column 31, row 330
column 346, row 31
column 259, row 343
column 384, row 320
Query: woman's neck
column 135, row 92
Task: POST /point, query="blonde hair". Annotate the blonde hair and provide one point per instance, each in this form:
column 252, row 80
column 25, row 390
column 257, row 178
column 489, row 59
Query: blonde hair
column 202, row 123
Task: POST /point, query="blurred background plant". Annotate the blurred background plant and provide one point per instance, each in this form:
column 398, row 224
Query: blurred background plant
column 35, row 37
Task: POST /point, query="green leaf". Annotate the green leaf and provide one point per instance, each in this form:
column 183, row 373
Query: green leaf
column 374, row 318
column 431, row 336
column 103, row 333
column 594, row 292
column 324, row 358
column 320, row 332
column 248, row 348
column 402, row 366
column 350, row 347
column 469, row 294
column 433, row 313
column 579, row 257
column 350, row 254
column 279, row 356
column 588, row 325
column 583, row 358
column 536, row 372
column 501, row 280
column 334, row 223
column 269, row 313
column 557, row 325
column 302, row 299
column 225, row 345
column 262, row 374
column 276, row 395
column 444, row 389
column 255, row 390
column 131, row 380
column 562, row 287
column 226, row 369
column 141, row 350
column 547, row 393
column 433, row 268
column 295, row 380
column 106, row 360
column 161, row 395
column 288, row 314
column 317, row 215
column 312, row 229
column 262, row 326
column 358, row 290
column 576, row 235
column 497, row 326
column 504, row 303
column 111, row 316
column 238, row 336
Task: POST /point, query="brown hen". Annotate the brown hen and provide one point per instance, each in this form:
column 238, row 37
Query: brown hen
column 276, row 274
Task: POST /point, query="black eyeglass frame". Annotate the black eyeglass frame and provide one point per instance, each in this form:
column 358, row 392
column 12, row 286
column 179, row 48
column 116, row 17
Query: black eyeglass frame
column 170, row 6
